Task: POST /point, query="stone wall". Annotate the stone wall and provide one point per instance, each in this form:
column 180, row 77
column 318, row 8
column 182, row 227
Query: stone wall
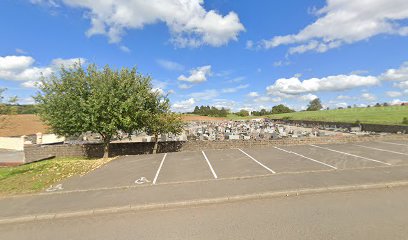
column 203, row 145
column 365, row 127
column 38, row 152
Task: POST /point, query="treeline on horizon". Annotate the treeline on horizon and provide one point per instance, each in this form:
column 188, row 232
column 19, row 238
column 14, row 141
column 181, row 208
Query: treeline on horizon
column 19, row 109
column 223, row 112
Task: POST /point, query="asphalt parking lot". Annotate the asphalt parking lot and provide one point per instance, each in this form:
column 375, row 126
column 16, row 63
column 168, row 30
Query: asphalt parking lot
column 213, row 165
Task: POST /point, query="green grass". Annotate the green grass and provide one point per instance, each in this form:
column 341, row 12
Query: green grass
column 38, row 176
column 392, row 115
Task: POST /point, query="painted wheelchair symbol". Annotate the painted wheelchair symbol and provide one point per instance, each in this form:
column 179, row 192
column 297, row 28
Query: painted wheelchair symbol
column 142, row 180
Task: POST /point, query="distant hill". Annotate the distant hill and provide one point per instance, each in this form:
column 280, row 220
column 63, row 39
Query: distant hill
column 21, row 109
column 391, row 115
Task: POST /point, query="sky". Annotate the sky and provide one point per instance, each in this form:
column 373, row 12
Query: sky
column 224, row 53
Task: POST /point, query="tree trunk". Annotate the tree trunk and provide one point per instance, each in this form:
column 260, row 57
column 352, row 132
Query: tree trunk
column 106, row 142
column 156, row 143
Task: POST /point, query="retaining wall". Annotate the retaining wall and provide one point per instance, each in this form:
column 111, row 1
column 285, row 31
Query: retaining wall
column 37, row 152
column 365, row 127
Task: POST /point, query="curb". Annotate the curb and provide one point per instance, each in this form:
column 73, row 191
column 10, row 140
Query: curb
column 197, row 202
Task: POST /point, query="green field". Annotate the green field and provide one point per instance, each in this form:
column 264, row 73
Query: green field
column 392, row 115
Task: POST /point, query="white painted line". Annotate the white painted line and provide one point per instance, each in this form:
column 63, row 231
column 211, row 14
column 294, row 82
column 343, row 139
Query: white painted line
column 209, row 164
column 383, row 150
column 158, row 170
column 311, row 159
column 270, row 170
column 400, row 144
column 349, row 154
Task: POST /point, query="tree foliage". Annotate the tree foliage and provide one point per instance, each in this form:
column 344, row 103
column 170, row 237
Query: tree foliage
column 278, row 109
column 243, row 113
column 314, row 105
column 104, row 101
column 210, row 111
column 161, row 120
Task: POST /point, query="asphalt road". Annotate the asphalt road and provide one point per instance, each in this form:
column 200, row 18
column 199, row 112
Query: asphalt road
column 371, row 214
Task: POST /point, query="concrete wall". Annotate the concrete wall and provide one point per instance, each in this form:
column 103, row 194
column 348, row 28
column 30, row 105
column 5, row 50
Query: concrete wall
column 48, row 138
column 37, row 152
column 12, row 143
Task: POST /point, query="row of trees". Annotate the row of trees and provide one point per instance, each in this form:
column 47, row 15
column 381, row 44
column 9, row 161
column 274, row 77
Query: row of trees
column 210, row 111
column 108, row 102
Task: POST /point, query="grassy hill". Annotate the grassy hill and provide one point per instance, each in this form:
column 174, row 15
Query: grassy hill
column 391, row 115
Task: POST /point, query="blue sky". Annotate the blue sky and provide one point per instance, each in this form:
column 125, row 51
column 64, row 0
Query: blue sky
column 225, row 53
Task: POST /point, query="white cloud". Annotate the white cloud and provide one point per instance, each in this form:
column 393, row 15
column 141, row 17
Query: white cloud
column 307, row 98
column 345, row 22
column 170, row 65
column 368, row 97
column 188, row 22
column 249, row 44
column 205, row 95
column 294, row 86
column 253, row 94
column 197, row 75
column 224, row 103
column 159, row 84
column 281, row 63
column 185, row 86
column 393, row 94
column 30, row 84
column 124, row 49
column 184, row 106
column 402, row 85
column 236, row 80
column 267, row 99
column 400, row 74
column 235, row 89
column 396, row 102
column 21, row 68
column 158, row 91
column 20, row 51
column 344, row 97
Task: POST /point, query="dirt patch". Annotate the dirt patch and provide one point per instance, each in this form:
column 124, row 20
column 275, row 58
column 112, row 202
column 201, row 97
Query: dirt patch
column 27, row 124
column 200, row 118
column 24, row 124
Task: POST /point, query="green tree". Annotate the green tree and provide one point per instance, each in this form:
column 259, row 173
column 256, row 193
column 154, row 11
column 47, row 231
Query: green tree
column 242, row 113
column 106, row 101
column 278, row 109
column 2, row 108
column 314, row 105
column 161, row 120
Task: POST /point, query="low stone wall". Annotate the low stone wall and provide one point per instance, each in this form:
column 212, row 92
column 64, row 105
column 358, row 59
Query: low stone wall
column 203, row 145
column 38, row 152
column 365, row 127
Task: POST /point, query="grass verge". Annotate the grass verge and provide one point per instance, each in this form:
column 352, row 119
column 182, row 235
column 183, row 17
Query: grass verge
column 38, row 176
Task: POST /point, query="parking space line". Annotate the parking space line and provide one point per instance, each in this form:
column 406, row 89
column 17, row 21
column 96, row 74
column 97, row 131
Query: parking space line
column 400, row 144
column 311, row 159
column 383, row 150
column 158, row 170
column 209, row 164
column 349, row 154
column 270, row 170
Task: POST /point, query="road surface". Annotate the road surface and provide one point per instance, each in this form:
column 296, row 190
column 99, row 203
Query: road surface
column 370, row 214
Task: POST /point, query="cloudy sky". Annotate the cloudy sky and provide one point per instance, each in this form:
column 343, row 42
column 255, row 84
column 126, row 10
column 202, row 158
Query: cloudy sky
column 224, row 53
